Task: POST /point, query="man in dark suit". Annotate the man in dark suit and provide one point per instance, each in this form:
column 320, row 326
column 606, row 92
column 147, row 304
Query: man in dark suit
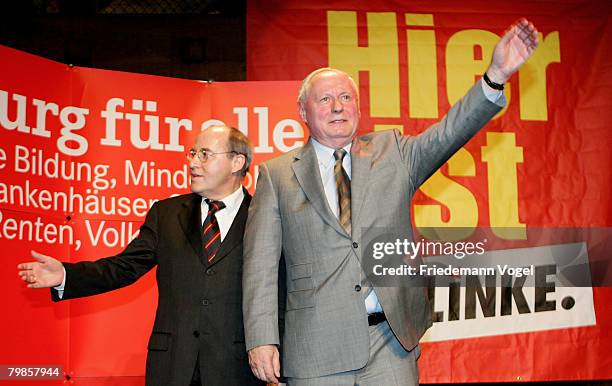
column 195, row 240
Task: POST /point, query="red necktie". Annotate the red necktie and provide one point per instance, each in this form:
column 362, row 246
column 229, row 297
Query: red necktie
column 211, row 232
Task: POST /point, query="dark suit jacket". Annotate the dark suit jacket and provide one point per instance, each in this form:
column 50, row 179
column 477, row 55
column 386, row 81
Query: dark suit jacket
column 200, row 304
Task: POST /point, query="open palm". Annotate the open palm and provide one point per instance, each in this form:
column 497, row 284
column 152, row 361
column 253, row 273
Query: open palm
column 44, row 272
column 512, row 51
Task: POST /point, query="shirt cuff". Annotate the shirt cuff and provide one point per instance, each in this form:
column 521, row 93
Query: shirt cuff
column 60, row 288
column 491, row 94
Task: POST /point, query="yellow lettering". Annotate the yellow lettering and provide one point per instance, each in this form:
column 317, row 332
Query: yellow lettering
column 532, row 78
column 501, row 155
column 461, row 67
column 380, row 58
column 422, row 68
column 460, row 202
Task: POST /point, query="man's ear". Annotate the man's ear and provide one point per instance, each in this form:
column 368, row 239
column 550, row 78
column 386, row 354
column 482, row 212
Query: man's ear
column 238, row 162
column 302, row 112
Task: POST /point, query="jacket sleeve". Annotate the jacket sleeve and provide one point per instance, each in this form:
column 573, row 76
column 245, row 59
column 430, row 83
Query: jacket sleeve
column 262, row 252
column 88, row 278
column 427, row 152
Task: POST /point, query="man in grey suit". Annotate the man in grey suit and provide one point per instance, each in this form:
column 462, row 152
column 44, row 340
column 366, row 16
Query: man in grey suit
column 320, row 204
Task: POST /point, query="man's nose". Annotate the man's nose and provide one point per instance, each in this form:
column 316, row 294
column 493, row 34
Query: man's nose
column 194, row 162
column 337, row 106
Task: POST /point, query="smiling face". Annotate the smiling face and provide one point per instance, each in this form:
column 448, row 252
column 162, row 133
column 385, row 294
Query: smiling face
column 331, row 109
column 220, row 175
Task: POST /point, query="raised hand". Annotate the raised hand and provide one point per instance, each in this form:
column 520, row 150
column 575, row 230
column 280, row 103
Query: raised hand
column 513, row 49
column 42, row 273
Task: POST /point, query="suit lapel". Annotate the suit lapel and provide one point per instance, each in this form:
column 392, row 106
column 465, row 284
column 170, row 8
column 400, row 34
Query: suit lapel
column 361, row 162
column 190, row 218
column 234, row 235
column 306, row 169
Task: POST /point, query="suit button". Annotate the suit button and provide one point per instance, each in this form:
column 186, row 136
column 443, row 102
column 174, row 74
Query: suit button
column 196, row 333
column 205, row 302
column 357, row 288
column 355, row 245
column 210, row 272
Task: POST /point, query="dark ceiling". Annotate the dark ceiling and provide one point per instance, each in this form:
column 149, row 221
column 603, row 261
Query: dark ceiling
column 193, row 39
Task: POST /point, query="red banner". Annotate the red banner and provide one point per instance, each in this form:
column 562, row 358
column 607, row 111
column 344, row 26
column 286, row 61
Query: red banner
column 83, row 154
column 543, row 162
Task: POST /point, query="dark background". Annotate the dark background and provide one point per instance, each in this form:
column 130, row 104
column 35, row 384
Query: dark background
column 191, row 39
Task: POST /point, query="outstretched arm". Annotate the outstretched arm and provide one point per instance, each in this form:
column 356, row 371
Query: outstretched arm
column 425, row 153
column 88, row 278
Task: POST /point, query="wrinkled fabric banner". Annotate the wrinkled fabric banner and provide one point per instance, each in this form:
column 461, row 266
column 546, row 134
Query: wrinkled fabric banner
column 543, row 162
column 83, row 155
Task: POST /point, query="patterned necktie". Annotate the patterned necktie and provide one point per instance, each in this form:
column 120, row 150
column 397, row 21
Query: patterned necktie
column 343, row 187
column 212, row 234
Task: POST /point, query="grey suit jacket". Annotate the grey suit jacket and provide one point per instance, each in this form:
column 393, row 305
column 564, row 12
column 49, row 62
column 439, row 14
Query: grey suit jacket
column 326, row 327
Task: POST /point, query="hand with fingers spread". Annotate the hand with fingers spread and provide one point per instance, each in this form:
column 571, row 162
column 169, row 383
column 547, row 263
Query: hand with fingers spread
column 512, row 51
column 43, row 273
column 265, row 363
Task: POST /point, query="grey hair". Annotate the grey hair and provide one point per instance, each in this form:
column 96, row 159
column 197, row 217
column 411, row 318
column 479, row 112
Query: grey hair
column 307, row 82
column 238, row 144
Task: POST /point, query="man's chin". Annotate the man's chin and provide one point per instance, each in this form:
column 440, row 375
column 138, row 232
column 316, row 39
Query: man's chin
column 345, row 133
column 197, row 189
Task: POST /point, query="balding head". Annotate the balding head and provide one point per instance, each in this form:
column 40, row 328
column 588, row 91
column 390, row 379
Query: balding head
column 307, row 82
column 219, row 160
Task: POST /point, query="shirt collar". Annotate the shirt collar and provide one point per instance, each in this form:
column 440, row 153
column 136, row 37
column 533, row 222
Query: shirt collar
column 232, row 201
column 325, row 154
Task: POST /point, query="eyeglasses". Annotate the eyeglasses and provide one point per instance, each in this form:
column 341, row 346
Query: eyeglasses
column 203, row 154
